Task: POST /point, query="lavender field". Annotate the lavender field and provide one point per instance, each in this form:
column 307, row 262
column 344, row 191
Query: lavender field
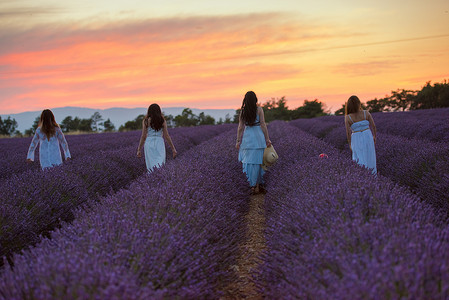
column 100, row 228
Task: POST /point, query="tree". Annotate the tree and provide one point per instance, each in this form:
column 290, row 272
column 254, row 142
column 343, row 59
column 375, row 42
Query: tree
column 135, row 124
column 276, row 110
column 205, row 119
column 32, row 130
column 7, row 126
column 432, row 96
column 228, row 119
column 341, row 111
column 186, row 118
column 309, row 109
column 108, row 126
column 85, row 125
column 66, row 124
column 236, row 116
column 96, row 119
column 378, row 105
column 169, row 120
column 401, row 99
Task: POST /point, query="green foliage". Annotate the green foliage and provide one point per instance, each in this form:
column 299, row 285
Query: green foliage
column 186, row 118
column 378, row 105
column 310, row 109
column 430, row 96
column 70, row 124
column 135, row 124
column 169, row 120
column 435, row 96
column 277, row 109
column 236, row 116
column 96, row 121
column 108, row 126
column 341, row 111
column 205, row 119
column 32, row 130
column 7, row 126
column 227, row 120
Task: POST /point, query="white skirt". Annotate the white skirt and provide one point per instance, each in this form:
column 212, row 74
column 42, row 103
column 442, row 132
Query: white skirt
column 154, row 152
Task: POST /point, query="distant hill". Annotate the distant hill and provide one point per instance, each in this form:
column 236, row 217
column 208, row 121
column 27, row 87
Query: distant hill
column 117, row 115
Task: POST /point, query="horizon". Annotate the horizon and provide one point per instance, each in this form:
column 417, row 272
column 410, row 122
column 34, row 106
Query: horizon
column 115, row 107
column 209, row 54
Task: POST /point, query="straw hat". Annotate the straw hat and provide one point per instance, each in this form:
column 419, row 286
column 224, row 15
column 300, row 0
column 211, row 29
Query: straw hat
column 269, row 157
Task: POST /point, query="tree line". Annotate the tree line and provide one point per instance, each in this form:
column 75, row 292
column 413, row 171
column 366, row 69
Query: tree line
column 274, row 109
column 95, row 123
column 430, row 96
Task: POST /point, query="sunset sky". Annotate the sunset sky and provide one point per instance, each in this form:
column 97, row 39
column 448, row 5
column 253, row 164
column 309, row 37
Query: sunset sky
column 207, row 54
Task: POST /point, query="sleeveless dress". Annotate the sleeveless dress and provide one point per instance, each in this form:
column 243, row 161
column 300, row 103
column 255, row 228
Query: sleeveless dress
column 49, row 152
column 251, row 153
column 154, row 149
column 362, row 144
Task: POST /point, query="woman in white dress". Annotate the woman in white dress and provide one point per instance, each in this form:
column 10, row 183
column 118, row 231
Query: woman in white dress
column 252, row 138
column 154, row 130
column 361, row 134
column 48, row 136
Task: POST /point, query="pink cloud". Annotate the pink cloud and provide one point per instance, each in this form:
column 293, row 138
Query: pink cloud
column 187, row 60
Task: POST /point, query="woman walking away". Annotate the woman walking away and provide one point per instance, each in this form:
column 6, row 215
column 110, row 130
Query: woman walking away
column 360, row 138
column 48, row 135
column 252, row 138
column 154, row 128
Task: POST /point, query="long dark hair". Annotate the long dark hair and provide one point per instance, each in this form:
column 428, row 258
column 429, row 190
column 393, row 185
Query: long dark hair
column 249, row 108
column 353, row 105
column 154, row 113
column 47, row 123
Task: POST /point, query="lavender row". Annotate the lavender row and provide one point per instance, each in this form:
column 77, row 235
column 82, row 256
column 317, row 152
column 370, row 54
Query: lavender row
column 172, row 234
column 421, row 165
column 14, row 151
column 336, row 232
column 35, row 202
column 426, row 124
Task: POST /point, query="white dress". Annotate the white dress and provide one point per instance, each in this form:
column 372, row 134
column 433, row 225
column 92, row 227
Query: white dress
column 251, row 153
column 362, row 144
column 154, row 149
column 49, row 152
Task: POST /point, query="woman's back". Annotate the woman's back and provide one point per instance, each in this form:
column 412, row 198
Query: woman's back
column 359, row 121
column 152, row 132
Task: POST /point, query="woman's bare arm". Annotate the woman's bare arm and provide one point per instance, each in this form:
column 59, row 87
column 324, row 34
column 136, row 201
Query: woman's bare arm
column 348, row 131
column 168, row 139
column 373, row 126
column 142, row 138
column 263, row 126
column 239, row 132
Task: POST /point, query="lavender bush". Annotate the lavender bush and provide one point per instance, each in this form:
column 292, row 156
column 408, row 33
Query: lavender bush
column 336, row 232
column 34, row 202
column 413, row 162
column 427, row 124
column 14, row 150
column 172, row 234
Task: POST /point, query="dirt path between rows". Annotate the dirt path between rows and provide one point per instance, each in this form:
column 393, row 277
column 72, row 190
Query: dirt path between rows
column 250, row 251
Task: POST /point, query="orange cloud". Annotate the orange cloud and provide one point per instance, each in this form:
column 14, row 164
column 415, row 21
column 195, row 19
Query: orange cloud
column 195, row 62
column 181, row 61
